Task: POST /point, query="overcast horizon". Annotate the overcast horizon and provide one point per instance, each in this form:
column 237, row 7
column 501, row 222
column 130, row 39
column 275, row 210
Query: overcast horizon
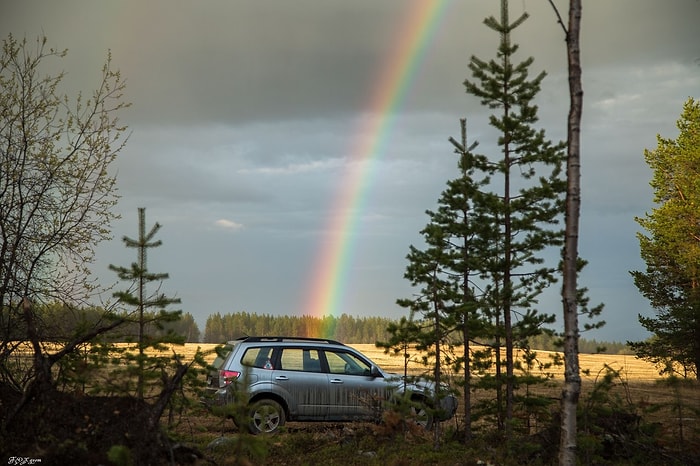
column 245, row 115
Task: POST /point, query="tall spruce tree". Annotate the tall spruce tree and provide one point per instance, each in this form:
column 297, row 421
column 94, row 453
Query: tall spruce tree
column 426, row 270
column 465, row 216
column 671, row 250
column 458, row 238
column 150, row 309
column 532, row 193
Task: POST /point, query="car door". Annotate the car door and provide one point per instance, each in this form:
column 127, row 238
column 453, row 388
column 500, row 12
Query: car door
column 354, row 392
column 305, row 386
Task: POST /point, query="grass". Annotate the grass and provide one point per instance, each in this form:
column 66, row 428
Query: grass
column 636, row 386
column 670, row 413
column 636, row 369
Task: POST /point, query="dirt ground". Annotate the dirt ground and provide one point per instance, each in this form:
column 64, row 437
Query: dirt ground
column 74, row 429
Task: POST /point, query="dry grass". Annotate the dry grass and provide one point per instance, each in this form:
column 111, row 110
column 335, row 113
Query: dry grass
column 631, row 367
column 639, row 381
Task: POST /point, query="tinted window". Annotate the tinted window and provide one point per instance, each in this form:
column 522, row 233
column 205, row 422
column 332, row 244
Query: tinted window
column 346, row 363
column 221, row 353
column 300, row 359
column 260, row 357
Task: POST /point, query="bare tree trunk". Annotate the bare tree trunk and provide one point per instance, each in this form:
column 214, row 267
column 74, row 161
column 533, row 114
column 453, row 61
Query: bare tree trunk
column 170, row 384
column 572, row 377
column 438, row 371
column 43, row 363
column 142, row 299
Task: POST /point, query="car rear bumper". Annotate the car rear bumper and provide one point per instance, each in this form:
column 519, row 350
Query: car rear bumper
column 214, row 397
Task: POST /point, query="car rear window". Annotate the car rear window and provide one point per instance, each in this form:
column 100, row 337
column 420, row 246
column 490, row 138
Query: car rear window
column 260, row 357
column 221, row 353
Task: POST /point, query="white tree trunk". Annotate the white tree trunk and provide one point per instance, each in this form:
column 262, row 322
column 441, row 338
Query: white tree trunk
column 572, row 380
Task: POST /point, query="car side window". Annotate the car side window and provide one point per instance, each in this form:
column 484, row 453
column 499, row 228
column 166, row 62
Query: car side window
column 300, row 359
column 260, row 357
column 340, row 362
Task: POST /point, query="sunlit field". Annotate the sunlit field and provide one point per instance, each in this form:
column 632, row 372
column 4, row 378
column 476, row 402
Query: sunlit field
column 639, row 381
column 636, row 388
column 632, row 368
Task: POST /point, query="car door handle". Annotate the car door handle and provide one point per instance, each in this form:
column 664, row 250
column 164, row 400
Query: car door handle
column 281, row 377
column 336, row 381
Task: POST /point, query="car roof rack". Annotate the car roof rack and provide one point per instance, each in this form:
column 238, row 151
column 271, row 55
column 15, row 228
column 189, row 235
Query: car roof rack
column 288, row 338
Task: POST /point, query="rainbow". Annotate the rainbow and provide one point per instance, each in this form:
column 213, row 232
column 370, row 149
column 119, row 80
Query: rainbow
column 325, row 290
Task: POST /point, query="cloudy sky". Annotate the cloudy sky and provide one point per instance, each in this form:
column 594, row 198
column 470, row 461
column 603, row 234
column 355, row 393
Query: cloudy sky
column 250, row 118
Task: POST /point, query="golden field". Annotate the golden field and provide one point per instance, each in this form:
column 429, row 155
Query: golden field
column 631, row 367
column 639, row 382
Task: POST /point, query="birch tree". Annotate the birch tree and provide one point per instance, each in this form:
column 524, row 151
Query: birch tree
column 571, row 262
column 56, row 199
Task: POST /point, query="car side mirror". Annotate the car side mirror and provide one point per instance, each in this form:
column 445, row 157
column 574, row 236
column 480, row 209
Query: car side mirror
column 374, row 371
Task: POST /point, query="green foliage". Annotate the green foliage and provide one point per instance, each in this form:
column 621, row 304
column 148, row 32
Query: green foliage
column 527, row 204
column 139, row 366
column 56, row 193
column 244, row 447
column 483, row 266
column 683, row 412
column 533, row 409
column 613, row 429
column 120, row 455
column 403, row 337
column 671, row 251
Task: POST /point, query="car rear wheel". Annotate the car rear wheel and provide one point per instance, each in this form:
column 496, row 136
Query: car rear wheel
column 266, row 416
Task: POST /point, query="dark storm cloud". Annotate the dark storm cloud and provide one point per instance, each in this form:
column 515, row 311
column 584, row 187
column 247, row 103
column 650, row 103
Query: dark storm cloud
column 246, row 113
column 241, row 61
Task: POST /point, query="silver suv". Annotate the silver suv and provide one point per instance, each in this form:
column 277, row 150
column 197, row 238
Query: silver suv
column 309, row 379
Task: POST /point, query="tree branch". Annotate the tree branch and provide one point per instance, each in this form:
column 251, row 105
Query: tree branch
column 559, row 20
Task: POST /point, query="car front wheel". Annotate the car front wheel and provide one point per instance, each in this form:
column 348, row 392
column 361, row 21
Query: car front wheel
column 420, row 412
column 266, row 416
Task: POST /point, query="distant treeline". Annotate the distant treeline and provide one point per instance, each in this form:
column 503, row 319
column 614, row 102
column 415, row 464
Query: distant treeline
column 220, row 328
column 63, row 323
column 348, row 329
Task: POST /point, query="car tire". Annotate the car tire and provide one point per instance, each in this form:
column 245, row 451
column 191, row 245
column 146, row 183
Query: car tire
column 420, row 412
column 266, row 417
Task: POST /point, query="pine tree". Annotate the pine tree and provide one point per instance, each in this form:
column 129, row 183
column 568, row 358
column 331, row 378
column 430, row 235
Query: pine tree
column 434, row 302
column 465, row 214
column 671, row 250
column 531, row 200
column 139, row 275
column 460, row 238
column 426, row 269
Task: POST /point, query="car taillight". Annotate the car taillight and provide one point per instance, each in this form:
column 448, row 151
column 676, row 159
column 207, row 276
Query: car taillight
column 228, row 376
